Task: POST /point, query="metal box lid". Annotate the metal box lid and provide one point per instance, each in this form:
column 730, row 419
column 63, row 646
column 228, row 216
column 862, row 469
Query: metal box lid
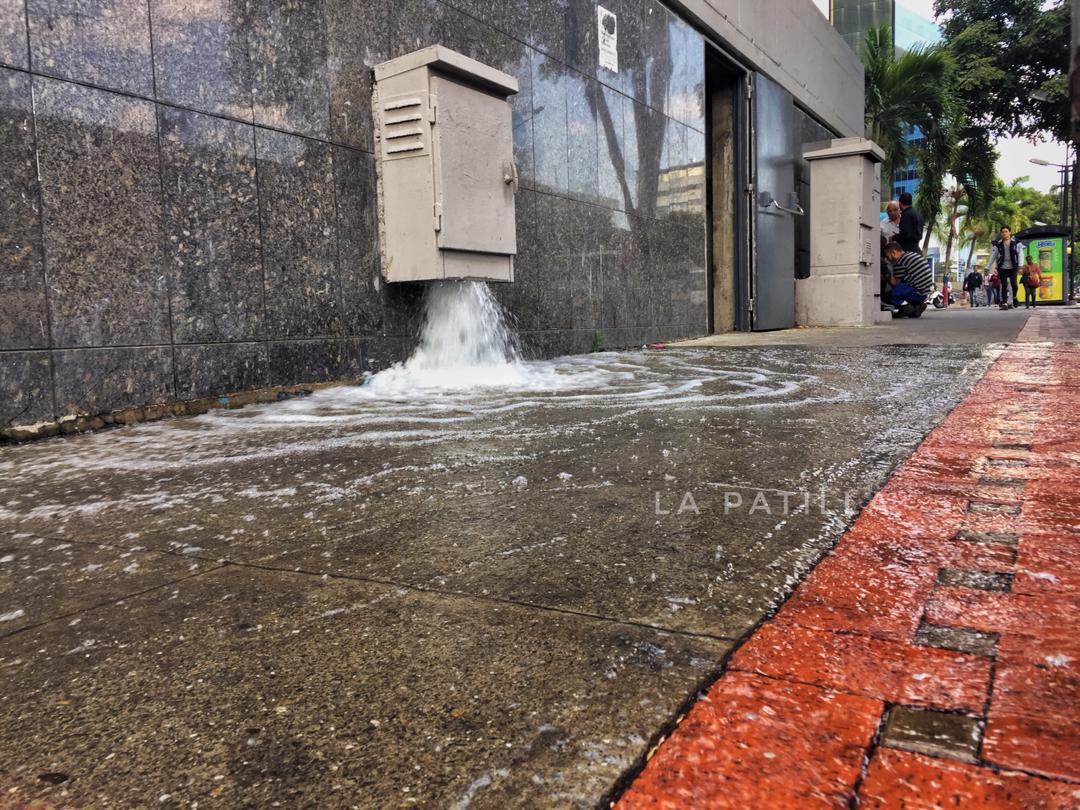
column 451, row 63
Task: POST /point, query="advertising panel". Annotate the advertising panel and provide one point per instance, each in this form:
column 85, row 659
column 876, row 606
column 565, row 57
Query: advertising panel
column 1049, row 254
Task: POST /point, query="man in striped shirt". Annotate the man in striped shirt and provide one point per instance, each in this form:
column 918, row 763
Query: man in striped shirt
column 910, row 268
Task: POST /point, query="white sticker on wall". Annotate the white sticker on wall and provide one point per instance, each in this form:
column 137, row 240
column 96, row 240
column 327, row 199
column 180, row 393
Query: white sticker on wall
column 607, row 28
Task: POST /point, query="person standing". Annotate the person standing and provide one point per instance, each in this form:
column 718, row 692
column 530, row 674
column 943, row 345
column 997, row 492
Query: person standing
column 1032, row 278
column 994, row 289
column 1006, row 254
column 988, row 292
column 890, row 226
column 946, row 289
column 911, row 226
column 976, row 287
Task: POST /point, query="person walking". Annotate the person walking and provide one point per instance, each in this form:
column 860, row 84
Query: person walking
column 911, row 226
column 1006, row 254
column 994, row 289
column 1032, row 278
column 946, row 289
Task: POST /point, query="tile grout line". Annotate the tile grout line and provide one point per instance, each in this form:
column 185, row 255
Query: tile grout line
column 97, row 606
column 226, row 562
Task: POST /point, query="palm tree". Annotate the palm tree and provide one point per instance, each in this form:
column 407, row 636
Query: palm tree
column 962, row 153
column 912, row 90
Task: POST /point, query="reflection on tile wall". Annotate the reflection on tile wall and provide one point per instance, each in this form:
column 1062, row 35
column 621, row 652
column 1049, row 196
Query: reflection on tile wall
column 101, row 42
column 206, row 216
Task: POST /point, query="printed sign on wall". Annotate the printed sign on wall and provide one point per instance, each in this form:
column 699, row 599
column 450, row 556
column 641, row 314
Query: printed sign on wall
column 607, row 29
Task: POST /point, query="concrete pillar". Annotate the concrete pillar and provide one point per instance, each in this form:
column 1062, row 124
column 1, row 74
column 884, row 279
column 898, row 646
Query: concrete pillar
column 845, row 201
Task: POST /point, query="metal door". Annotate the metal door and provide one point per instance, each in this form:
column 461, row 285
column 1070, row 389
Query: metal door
column 475, row 177
column 775, row 205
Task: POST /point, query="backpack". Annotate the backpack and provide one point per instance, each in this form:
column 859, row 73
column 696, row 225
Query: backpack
column 1033, row 278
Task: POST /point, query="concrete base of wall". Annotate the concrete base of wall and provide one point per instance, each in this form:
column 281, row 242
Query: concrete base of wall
column 151, row 413
column 840, row 299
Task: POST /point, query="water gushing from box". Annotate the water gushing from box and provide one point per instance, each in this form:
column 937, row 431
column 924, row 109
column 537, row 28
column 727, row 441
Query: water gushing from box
column 464, row 343
column 463, row 327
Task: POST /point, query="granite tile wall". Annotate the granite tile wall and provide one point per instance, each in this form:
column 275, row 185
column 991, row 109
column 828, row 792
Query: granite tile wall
column 188, row 189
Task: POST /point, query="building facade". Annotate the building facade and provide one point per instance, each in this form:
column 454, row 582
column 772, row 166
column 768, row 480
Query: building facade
column 188, row 189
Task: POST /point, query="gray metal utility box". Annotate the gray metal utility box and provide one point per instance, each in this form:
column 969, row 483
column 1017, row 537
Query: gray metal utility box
column 445, row 160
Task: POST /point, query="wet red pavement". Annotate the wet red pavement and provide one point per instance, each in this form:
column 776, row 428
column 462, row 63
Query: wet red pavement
column 932, row 659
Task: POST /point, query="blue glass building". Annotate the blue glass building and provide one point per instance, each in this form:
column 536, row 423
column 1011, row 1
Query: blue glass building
column 853, row 18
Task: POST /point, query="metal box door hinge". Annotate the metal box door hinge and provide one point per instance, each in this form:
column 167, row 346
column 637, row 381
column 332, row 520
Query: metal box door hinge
column 438, row 216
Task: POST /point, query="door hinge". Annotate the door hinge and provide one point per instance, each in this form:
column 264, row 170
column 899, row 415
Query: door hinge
column 750, row 306
column 438, row 216
column 433, row 113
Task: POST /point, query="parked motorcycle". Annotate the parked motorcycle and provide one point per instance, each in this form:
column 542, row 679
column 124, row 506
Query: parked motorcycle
column 938, row 300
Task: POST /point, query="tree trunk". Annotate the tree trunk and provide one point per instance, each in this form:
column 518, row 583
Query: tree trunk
column 952, row 229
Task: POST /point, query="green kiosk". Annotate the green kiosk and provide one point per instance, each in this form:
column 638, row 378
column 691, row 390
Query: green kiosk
column 1046, row 243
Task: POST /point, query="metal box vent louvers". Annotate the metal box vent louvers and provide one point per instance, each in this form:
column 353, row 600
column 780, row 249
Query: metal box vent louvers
column 404, row 126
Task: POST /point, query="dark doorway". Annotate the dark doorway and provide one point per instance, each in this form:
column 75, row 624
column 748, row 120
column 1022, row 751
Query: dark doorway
column 727, row 169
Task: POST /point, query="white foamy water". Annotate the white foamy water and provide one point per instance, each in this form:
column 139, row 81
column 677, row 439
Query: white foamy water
column 465, row 344
column 465, row 383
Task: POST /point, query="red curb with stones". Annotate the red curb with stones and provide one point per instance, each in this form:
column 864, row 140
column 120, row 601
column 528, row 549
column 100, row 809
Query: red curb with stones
column 794, row 720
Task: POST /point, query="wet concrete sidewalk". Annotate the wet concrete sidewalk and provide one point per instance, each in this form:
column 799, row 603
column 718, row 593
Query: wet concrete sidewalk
column 484, row 599
column 932, row 658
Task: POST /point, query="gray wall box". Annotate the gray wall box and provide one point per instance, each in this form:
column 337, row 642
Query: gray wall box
column 445, row 145
column 844, row 246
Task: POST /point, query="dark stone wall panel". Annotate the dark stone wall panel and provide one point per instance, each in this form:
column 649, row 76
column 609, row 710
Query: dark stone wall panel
column 357, row 39
column 100, row 42
column 630, row 79
column 25, row 388
column 650, row 129
column 697, row 282
column 611, row 149
column 220, row 368
column 542, row 300
column 685, row 97
column 566, row 30
column 24, row 322
column 101, row 194
column 358, row 242
column 289, row 50
column 581, row 136
column 13, row 33
column 201, row 55
column 101, row 380
column 299, row 228
column 695, row 174
column 211, row 227
column 550, row 141
column 587, row 226
column 311, row 361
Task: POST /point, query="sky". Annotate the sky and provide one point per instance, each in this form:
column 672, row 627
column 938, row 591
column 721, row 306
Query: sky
column 1015, row 152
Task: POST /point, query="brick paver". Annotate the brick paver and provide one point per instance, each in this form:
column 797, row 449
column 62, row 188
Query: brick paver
column 973, row 545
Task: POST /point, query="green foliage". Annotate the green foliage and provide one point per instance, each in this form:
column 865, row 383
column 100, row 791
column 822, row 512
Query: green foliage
column 1006, row 51
column 902, row 92
column 598, row 340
